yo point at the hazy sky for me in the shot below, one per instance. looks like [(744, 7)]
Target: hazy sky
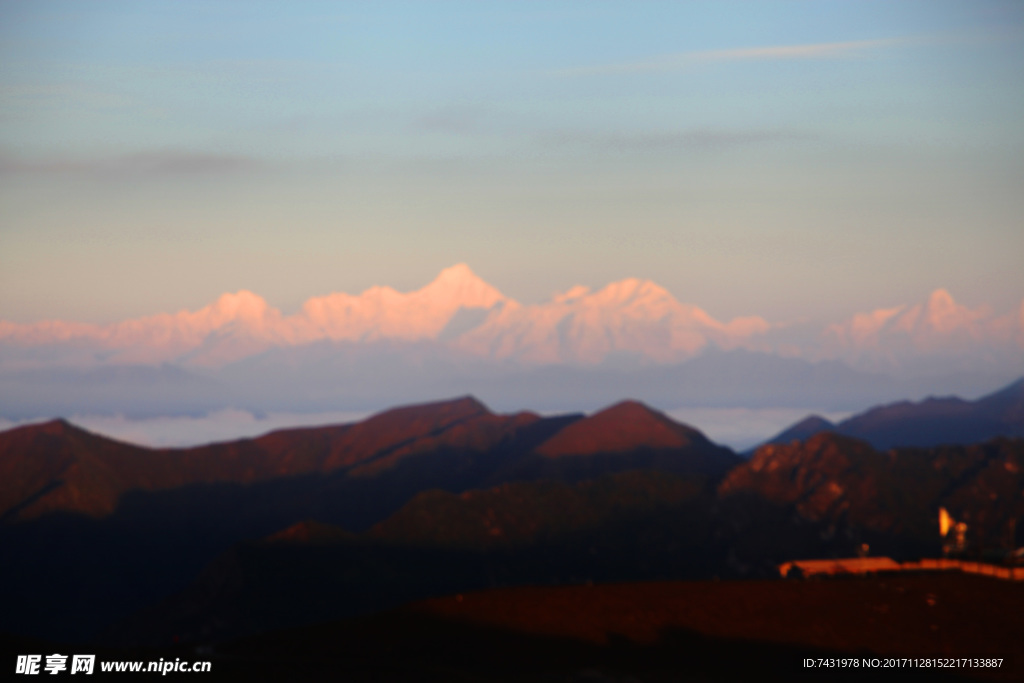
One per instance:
[(790, 159)]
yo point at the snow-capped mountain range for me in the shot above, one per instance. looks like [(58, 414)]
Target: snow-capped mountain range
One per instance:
[(465, 315)]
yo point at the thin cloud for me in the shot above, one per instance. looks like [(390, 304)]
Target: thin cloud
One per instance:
[(161, 163), (452, 120), (31, 97), (666, 141), (684, 60)]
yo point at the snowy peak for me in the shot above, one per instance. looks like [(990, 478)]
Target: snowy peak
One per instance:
[(624, 293), (382, 312), (458, 286), (939, 327), (631, 320), (633, 317), (632, 290), (242, 305), (635, 297), (572, 294), (944, 315)]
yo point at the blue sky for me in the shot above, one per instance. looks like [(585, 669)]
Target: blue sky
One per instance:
[(793, 159)]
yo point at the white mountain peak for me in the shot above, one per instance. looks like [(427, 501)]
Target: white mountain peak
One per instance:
[(571, 294), (946, 315), (459, 286), (382, 312), (941, 299), (632, 288), (938, 327), (632, 316), (241, 304), (458, 273)]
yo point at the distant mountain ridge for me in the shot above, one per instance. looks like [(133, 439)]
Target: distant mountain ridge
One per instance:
[(932, 422), (578, 326), (903, 336), (460, 335), (463, 313)]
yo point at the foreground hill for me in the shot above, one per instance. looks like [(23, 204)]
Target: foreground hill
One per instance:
[(56, 466), (891, 499), (148, 545), (632, 525), (823, 498), (650, 632), (656, 632), (932, 422), (144, 522)]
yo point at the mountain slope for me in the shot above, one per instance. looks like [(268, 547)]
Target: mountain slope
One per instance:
[(623, 427), (625, 436), (242, 324), (59, 467), (819, 499), (891, 497), (936, 335), (630, 525), (628, 317), (144, 520), (931, 422), (803, 430)]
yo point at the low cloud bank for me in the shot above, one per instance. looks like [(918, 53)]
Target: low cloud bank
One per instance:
[(184, 431)]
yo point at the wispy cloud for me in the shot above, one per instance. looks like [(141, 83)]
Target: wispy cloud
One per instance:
[(36, 96), (685, 60), (156, 163), (697, 139), (456, 120)]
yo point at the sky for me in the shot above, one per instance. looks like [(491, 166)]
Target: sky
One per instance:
[(794, 160)]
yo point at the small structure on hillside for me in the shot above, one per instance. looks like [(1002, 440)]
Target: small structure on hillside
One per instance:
[(953, 533)]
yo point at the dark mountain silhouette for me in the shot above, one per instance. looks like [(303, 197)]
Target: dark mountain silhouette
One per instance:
[(521, 513), (822, 498), (311, 531), (646, 631), (890, 499), (658, 631), (144, 521), (146, 545), (931, 422), (639, 525), (56, 466), (802, 430), (621, 428), (626, 436)]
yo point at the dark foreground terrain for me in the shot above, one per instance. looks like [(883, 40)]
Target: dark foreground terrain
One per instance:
[(654, 631), (584, 548)]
